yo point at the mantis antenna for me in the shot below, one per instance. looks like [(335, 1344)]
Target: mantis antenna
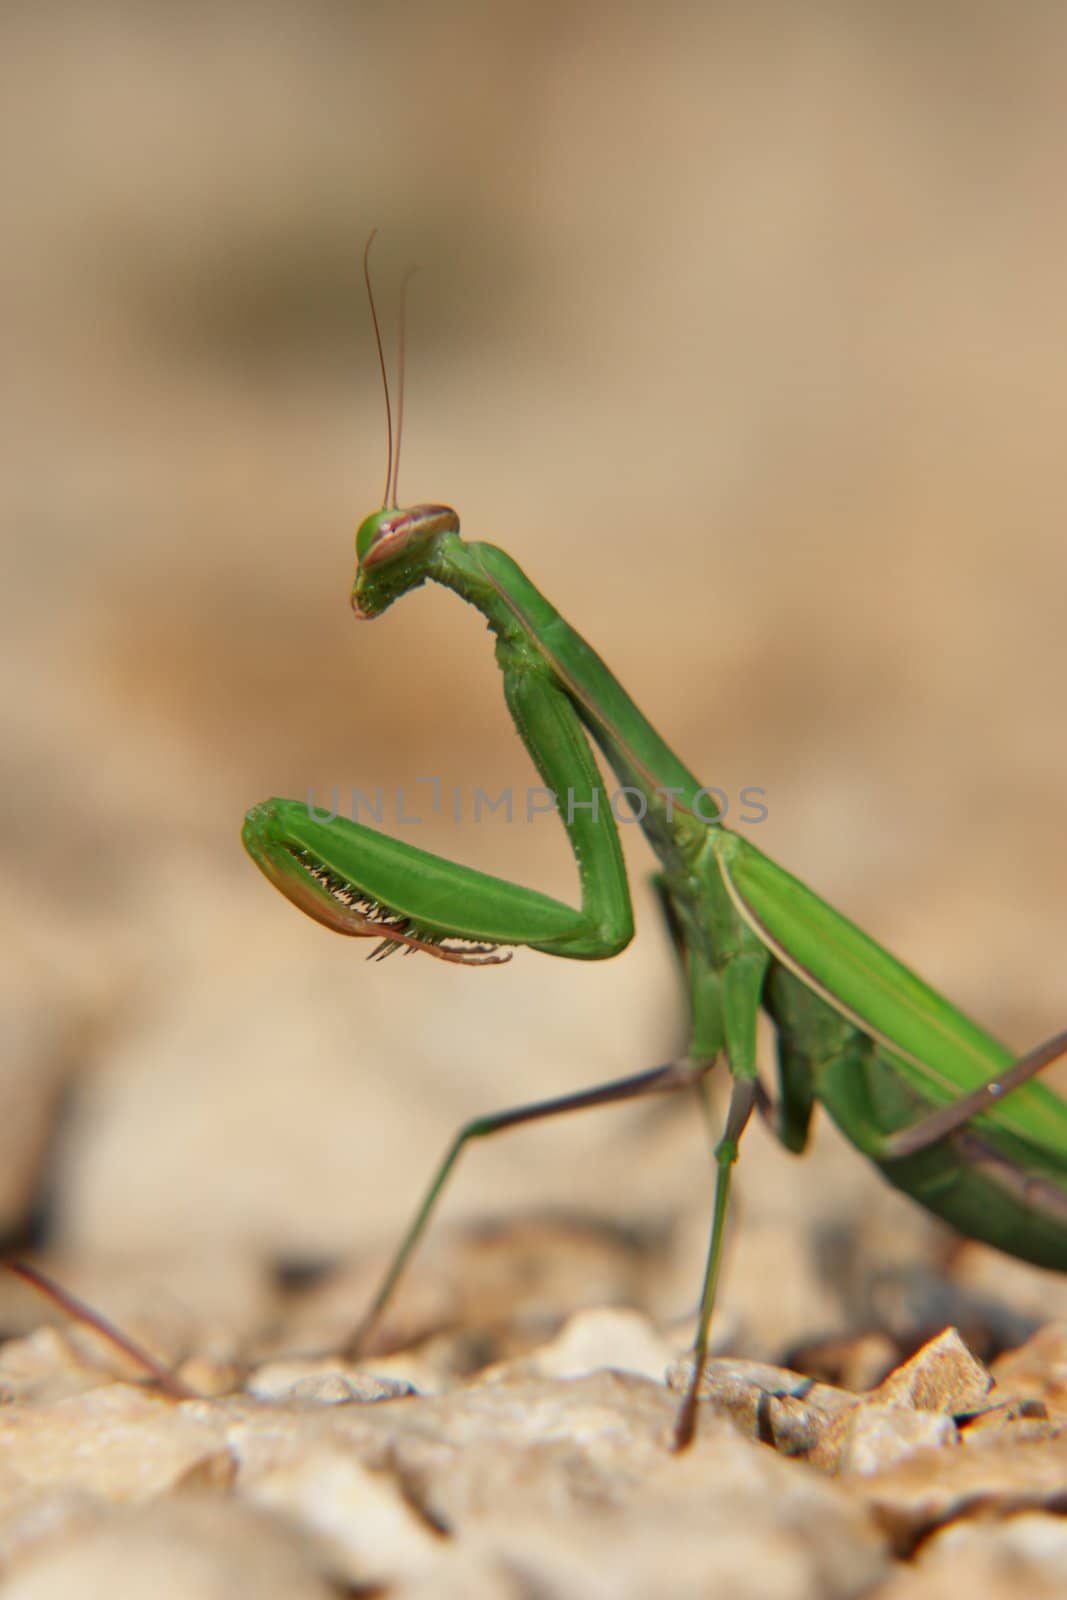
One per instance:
[(392, 466), (401, 364), (387, 503)]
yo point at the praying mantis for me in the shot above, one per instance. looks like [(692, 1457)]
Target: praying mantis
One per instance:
[(941, 1109)]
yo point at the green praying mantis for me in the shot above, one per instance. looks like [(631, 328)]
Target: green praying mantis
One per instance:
[(940, 1108)]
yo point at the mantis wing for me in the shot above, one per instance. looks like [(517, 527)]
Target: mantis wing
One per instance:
[(885, 999)]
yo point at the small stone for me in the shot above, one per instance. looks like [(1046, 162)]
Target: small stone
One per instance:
[(195, 1549), (116, 1442), (209, 1377), (371, 1535), (765, 1402), (872, 1437), (45, 1364), (1021, 1558), (326, 1382), (607, 1339), (932, 1488), (942, 1376), (31, 1518), (1021, 1419), (913, 1409), (470, 1571)]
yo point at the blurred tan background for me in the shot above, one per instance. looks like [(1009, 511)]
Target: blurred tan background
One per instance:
[(742, 329)]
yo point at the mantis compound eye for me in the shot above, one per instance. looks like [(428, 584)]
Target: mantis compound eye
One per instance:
[(389, 534)]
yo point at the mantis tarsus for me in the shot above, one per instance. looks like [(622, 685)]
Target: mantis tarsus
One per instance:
[(936, 1103)]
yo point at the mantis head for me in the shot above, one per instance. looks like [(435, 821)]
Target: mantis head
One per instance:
[(395, 552)]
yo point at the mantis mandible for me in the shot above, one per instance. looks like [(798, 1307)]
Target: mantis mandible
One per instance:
[(938, 1106)]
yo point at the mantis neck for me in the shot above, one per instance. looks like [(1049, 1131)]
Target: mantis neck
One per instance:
[(532, 634)]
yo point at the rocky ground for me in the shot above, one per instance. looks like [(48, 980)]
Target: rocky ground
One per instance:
[(499, 1462)]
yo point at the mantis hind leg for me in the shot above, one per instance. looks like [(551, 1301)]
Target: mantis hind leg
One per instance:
[(165, 1379), (929, 1130), (668, 1079), (742, 1100)]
